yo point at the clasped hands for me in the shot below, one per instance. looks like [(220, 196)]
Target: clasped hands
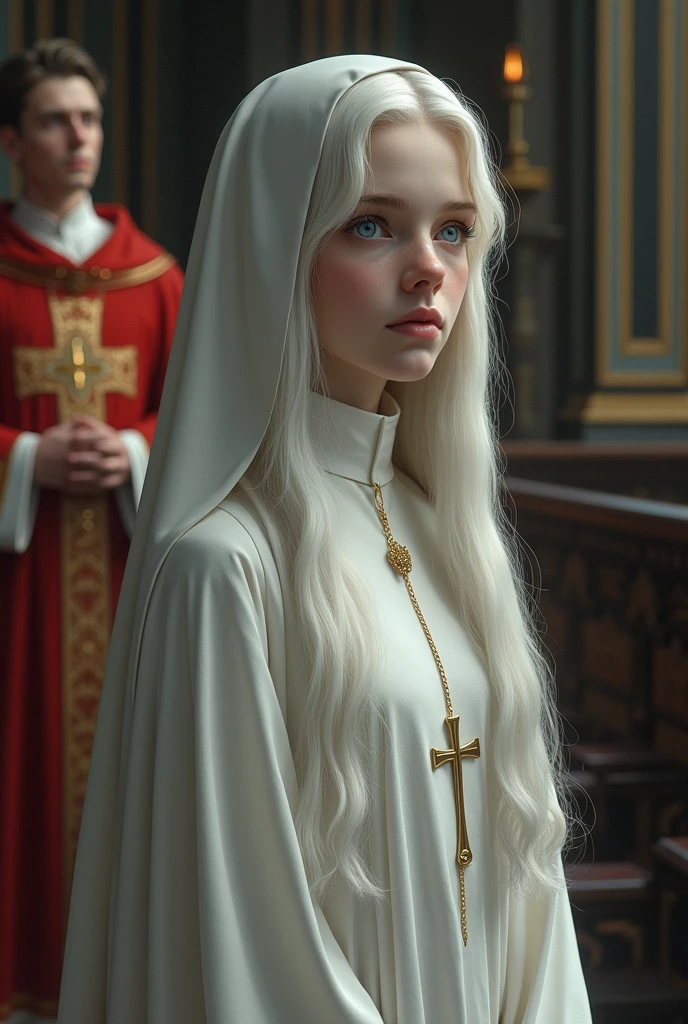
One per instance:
[(81, 457)]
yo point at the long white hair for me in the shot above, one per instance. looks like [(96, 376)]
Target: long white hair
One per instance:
[(446, 441)]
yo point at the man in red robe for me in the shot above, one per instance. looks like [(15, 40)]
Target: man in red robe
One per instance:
[(87, 311)]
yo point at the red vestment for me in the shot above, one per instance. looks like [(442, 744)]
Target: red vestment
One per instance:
[(92, 339)]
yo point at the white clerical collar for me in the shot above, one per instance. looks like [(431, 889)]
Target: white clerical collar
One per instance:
[(77, 235), (353, 443)]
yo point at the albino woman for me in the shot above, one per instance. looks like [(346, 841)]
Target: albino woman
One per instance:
[(324, 781)]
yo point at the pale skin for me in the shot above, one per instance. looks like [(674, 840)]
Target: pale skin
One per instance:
[(58, 149), (402, 254)]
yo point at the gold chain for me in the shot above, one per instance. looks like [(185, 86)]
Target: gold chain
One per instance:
[(400, 560), (462, 891)]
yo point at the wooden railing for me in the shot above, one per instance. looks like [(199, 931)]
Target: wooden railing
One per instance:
[(641, 470), (614, 598)]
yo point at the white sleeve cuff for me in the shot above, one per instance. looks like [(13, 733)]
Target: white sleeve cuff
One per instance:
[(19, 500), (129, 494)]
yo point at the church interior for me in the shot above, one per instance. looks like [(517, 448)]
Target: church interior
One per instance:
[(587, 108)]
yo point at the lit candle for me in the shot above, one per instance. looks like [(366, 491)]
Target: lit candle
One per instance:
[(513, 64)]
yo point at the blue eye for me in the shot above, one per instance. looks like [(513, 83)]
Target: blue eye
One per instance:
[(367, 229), (451, 233)]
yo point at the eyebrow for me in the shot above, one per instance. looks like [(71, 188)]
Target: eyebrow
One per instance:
[(61, 111), (397, 203)]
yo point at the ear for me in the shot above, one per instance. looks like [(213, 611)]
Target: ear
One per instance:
[(11, 142)]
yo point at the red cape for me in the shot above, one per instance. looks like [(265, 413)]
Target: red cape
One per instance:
[(127, 247)]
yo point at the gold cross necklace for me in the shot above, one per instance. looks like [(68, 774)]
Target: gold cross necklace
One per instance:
[(400, 560)]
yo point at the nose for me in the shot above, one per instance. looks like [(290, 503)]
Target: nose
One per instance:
[(424, 270), (77, 132)]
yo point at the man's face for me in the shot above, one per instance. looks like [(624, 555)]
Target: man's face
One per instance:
[(59, 145)]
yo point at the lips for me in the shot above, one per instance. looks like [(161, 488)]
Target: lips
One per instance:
[(422, 315)]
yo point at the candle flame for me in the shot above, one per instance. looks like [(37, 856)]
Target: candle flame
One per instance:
[(513, 63)]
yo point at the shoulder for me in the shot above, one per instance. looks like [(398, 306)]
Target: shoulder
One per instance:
[(224, 554), (126, 230), (132, 245), (213, 545)]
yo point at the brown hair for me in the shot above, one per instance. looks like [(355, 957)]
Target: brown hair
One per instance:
[(48, 58)]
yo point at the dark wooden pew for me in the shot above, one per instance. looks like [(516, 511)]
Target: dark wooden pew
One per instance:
[(614, 597), (611, 577)]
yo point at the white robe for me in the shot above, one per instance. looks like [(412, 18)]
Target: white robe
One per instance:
[(211, 921)]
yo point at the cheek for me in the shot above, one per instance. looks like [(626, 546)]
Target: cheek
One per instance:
[(47, 148), (346, 287), (455, 283)]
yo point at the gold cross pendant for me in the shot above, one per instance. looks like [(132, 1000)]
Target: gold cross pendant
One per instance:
[(454, 756)]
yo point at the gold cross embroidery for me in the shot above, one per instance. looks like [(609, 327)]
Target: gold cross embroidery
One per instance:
[(455, 756), (78, 370)]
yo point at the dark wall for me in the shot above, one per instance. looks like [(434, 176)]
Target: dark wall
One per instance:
[(233, 46), (202, 76), (465, 41)]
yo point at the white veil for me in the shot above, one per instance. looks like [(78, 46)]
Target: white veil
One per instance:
[(217, 400)]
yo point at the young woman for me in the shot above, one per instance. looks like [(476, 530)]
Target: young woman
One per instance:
[(323, 789)]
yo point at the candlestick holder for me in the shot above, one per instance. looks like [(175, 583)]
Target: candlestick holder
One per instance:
[(529, 355), (519, 172)]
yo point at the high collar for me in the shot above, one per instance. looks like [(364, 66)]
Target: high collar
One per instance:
[(26, 212), (76, 236), (353, 443)]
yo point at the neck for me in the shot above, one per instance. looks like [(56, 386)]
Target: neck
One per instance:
[(58, 205), (350, 385)]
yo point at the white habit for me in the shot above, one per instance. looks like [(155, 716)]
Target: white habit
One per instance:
[(214, 920), (190, 902)]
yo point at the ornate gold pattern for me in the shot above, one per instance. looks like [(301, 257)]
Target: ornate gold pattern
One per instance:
[(400, 560), (76, 281), (86, 622), (77, 370)]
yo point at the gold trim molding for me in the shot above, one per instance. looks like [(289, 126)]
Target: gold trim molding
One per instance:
[(604, 407), (614, 333)]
